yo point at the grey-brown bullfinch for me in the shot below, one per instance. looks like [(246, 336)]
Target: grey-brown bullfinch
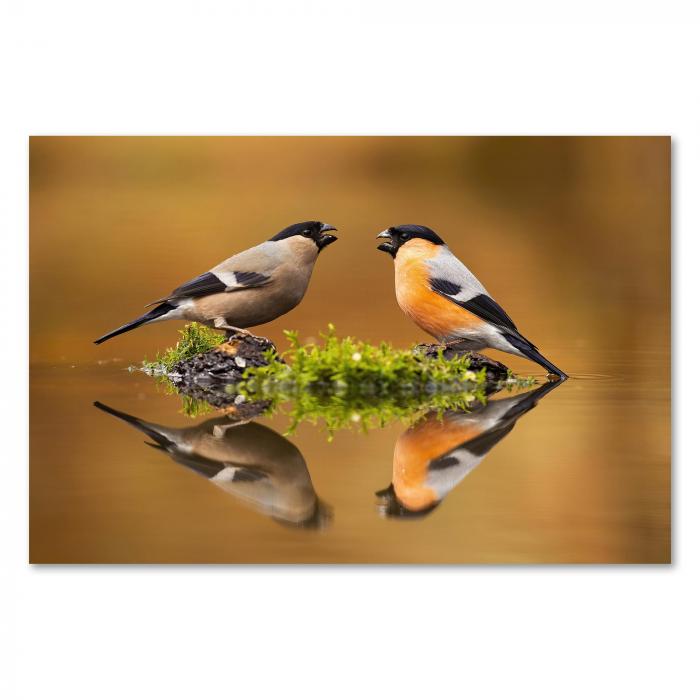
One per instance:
[(437, 291), (436, 453), (252, 287), (247, 460)]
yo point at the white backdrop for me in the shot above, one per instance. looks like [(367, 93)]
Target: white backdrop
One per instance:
[(355, 67)]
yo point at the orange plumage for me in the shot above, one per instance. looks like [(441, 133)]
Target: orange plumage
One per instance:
[(416, 448), (432, 312)]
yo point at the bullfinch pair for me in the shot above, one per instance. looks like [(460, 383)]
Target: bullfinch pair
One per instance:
[(262, 283), (249, 461), (437, 291), (436, 453), (250, 288)]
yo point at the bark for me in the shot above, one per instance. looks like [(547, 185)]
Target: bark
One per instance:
[(210, 375), (495, 371)]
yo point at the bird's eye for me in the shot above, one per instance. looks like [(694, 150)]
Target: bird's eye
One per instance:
[(404, 236), (306, 233)]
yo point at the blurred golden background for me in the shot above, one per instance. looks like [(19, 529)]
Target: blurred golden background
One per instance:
[(570, 235)]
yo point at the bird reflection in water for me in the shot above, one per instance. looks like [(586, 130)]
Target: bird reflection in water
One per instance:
[(437, 452), (247, 460)]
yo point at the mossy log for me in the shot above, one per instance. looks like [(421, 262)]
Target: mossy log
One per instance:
[(225, 363), (495, 371), (210, 376)]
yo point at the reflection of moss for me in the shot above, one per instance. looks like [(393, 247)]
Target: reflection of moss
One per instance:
[(192, 407), (348, 383), (195, 340), (343, 383), (355, 410)]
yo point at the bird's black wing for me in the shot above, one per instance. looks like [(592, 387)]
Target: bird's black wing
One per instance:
[(459, 289), (210, 283), (482, 305), (485, 307), (205, 284)]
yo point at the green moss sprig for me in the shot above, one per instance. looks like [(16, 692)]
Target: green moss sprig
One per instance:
[(195, 339)]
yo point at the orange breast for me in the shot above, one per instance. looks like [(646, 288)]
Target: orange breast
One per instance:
[(440, 317), (416, 448)]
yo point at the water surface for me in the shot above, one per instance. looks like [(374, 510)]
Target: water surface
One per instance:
[(553, 482)]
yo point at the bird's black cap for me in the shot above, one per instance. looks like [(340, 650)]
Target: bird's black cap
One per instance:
[(398, 235), (320, 518), (315, 230), (390, 507)]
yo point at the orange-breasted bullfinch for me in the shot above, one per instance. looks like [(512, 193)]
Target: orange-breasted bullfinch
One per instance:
[(437, 291), (252, 287), (247, 460), (436, 453)]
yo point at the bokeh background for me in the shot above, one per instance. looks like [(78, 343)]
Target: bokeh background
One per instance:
[(570, 235)]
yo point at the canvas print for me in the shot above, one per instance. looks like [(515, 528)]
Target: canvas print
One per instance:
[(337, 350)]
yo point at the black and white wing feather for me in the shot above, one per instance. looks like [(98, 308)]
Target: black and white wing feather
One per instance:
[(446, 471), (249, 269), (452, 279)]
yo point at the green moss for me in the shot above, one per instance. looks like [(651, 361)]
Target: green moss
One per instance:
[(341, 383), (195, 339), (349, 364), (349, 383)]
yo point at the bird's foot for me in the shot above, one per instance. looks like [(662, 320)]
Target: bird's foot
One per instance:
[(235, 333), (232, 332), (219, 431), (243, 334)]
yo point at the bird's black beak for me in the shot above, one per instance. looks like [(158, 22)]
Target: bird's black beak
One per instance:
[(389, 506), (389, 246), (325, 239)]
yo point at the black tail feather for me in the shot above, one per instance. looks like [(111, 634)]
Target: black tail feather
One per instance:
[(203, 465), (151, 315), (531, 352), (526, 402), (162, 441)]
